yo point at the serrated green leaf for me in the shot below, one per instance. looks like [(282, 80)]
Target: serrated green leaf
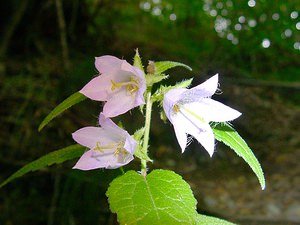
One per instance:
[(209, 220), (154, 78), (162, 66), (57, 157), (226, 134), (138, 134), (160, 198), (137, 62), (67, 103), (184, 83)]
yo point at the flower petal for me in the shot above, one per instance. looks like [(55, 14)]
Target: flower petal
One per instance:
[(206, 89), (180, 130), (98, 88), (108, 63), (130, 144), (120, 160), (132, 69), (139, 96), (119, 103), (88, 162), (206, 138), (89, 136), (211, 110), (107, 123), (94, 159)]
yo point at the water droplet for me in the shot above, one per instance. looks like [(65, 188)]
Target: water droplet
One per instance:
[(238, 27), (213, 12), (298, 26), (230, 36), (146, 6), (266, 43), (156, 11), (252, 23), (294, 15), (251, 3), (275, 16), (173, 17), (242, 19), (288, 32)]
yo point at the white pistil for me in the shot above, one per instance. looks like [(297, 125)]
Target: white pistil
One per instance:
[(179, 108)]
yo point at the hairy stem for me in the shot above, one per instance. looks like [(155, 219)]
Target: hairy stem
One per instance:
[(147, 131)]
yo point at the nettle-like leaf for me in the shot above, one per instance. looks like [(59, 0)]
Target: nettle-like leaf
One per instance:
[(225, 133), (162, 66), (209, 220), (160, 198), (67, 103), (154, 78), (58, 156), (184, 83)]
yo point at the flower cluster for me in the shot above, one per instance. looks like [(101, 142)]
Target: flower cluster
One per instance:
[(122, 87)]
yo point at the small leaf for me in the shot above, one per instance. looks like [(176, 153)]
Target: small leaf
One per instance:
[(138, 135), (209, 220), (154, 78), (184, 83), (226, 134), (162, 66), (57, 157), (137, 62), (160, 198), (67, 103)]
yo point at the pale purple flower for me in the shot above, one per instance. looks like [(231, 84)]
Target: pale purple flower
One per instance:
[(120, 84), (110, 146), (191, 110)]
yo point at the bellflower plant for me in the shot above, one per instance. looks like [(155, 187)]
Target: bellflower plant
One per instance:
[(159, 197), (120, 84), (110, 146), (191, 110)]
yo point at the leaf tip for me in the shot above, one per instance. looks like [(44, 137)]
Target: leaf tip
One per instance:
[(41, 126), (263, 184)]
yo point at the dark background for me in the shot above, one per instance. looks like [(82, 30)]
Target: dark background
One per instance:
[(47, 51)]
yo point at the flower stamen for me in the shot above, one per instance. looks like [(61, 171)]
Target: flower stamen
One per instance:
[(118, 146), (131, 86)]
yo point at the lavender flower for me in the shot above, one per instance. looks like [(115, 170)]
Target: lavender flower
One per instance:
[(120, 84), (110, 146)]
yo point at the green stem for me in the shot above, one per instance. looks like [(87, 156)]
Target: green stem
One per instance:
[(147, 131)]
